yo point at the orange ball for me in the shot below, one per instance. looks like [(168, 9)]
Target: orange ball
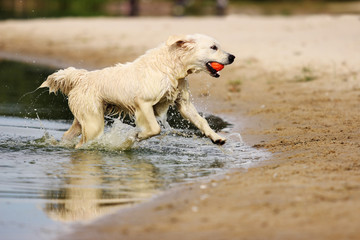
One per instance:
[(217, 66)]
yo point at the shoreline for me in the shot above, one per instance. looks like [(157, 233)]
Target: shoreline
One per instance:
[(305, 114)]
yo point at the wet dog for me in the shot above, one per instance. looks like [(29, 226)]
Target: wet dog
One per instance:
[(144, 88)]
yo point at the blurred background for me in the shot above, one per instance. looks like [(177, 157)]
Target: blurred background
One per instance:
[(60, 8)]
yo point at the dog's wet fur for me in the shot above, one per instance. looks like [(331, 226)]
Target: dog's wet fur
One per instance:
[(144, 88)]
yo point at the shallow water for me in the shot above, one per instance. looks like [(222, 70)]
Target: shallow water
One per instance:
[(46, 184)]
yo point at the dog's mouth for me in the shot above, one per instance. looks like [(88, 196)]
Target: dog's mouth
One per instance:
[(213, 72)]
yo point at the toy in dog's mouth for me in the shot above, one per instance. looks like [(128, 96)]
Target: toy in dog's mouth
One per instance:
[(214, 68)]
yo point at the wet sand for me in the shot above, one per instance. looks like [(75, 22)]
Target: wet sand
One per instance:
[(294, 90)]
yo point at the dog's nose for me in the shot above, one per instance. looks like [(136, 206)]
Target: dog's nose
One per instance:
[(231, 58)]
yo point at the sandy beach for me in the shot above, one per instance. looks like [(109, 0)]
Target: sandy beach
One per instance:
[(293, 90)]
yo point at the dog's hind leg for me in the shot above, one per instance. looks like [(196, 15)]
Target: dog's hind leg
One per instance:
[(74, 131), (146, 120), (92, 126)]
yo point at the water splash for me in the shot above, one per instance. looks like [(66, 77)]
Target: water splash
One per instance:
[(118, 137), (181, 144), (236, 135), (46, 140)]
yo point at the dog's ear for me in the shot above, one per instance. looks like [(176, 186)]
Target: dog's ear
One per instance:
[(179, 41)]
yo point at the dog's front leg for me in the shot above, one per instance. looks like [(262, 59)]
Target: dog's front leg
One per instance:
[(189, 112), (146, 120)]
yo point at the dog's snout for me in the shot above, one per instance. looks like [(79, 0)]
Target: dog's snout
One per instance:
[(231, 58)]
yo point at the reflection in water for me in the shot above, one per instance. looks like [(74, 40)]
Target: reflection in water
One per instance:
[(85, 199)]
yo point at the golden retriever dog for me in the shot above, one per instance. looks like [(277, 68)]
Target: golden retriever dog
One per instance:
[(144, 88)]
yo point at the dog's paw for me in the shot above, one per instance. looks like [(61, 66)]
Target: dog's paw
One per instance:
[(219, 141)]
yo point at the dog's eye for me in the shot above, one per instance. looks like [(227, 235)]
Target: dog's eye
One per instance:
[(214, 47)]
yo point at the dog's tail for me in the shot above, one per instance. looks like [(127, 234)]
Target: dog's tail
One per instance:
[(64, 80)]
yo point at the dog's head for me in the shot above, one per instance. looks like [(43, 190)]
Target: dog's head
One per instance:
[(198, 52)]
